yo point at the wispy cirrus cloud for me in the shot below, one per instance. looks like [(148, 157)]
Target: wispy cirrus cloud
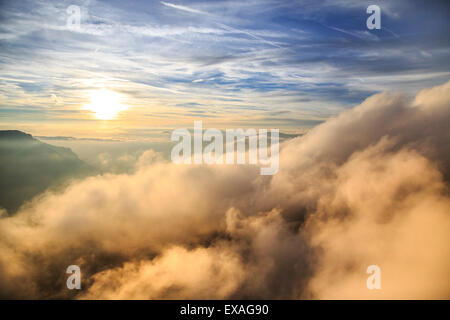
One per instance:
[(224, 54), (182, 8)]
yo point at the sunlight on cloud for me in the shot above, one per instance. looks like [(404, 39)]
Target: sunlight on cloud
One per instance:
[(369, 186)]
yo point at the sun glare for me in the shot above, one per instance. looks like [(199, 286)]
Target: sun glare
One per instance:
[(106, 104)]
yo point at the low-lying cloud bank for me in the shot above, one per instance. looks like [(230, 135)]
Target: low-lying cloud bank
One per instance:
[(368, 187)]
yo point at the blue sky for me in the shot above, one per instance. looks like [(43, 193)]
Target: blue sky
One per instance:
[(283, 64)]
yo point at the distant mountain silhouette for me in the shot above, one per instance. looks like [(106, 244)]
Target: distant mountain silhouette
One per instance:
[(28, 167)]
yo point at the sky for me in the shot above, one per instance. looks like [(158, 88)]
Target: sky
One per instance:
[(261, 64)]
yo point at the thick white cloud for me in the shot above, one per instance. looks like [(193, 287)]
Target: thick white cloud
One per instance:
[(368, 187)]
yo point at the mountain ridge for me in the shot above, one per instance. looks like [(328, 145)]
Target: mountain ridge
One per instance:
[(29, 167)]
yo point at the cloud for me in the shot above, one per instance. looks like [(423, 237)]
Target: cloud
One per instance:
[(370, 186), (265, 54), (183, 8), (383, 213), (201, 273)]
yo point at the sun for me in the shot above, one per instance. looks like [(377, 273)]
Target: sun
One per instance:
[(106, 104)]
